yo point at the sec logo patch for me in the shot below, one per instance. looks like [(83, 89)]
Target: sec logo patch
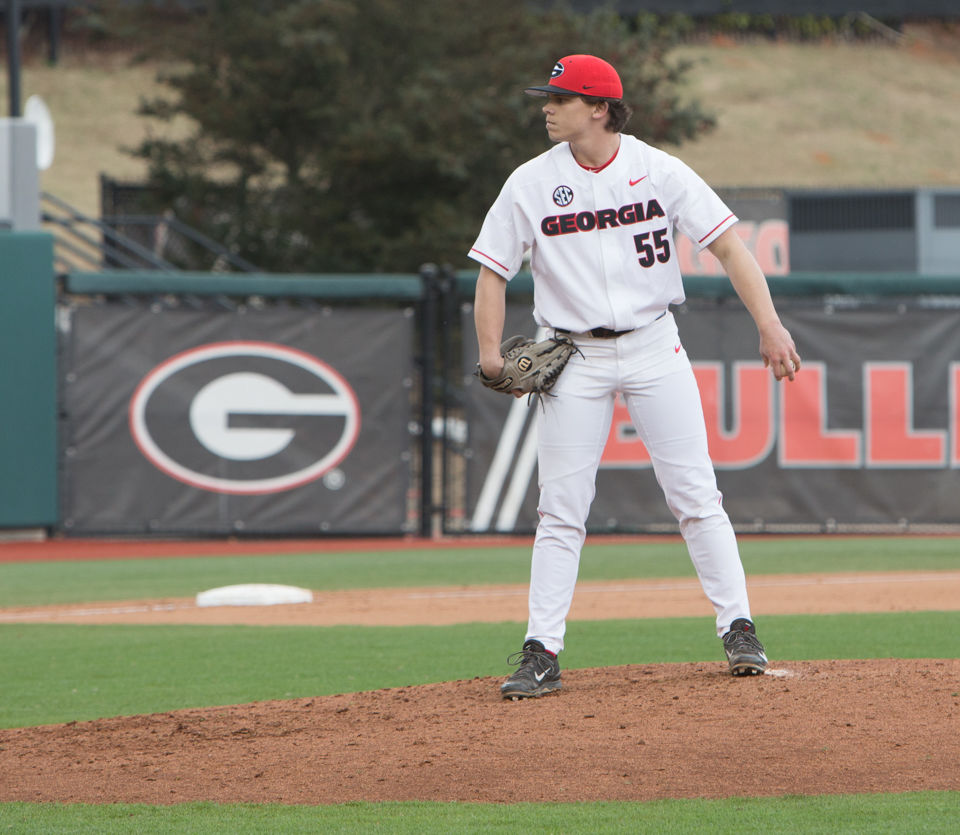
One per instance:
[(563, 195)]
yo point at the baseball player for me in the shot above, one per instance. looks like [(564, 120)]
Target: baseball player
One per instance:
[(597, 213)]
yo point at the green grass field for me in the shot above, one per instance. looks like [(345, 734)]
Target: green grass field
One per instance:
[(933, 812), (64, 672), (57, 673)]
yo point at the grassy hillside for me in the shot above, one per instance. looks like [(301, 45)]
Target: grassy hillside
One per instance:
[(789, 114), (93, 101), (829, 115)]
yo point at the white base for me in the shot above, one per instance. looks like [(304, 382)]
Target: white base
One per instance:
[(254, 594)]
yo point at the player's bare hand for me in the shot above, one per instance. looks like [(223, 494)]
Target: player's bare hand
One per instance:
[(778, 351), (491, 366)]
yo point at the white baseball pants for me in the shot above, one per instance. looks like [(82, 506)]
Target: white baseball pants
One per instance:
[(651, 370)]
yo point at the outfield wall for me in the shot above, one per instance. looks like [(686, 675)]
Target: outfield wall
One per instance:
[(199, 404), (28, 382)]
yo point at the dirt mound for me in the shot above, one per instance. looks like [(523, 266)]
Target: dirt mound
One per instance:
[(620, 733)]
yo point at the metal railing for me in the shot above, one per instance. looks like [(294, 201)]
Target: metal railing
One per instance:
[(84, 244), (170, 237)]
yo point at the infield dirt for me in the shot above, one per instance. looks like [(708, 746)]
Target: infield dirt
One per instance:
[(775, 594)]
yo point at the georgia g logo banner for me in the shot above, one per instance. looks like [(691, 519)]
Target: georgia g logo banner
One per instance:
[(244, 417)]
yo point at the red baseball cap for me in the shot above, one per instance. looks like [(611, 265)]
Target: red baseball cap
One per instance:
[(581, 75)]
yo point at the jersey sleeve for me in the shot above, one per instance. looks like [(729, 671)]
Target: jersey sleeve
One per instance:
[(501, 243), (697, 210)]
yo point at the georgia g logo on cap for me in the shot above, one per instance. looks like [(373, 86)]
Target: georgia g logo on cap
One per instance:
[(581, 75)]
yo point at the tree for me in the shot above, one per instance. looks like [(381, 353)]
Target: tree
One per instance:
[(372, 135)]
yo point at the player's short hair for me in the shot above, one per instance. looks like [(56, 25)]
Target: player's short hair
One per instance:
[(619, 112)]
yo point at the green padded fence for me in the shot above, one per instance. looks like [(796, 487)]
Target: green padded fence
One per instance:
[(794, 284), (28, 382), (387, 286)]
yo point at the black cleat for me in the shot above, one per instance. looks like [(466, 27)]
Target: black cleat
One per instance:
[(538, 673), (744, 650)]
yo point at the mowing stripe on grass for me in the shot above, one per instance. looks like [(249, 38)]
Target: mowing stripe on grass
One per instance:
[(918, 812), (59, 673), (28, 584)]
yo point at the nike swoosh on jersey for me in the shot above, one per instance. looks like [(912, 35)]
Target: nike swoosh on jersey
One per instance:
[(634, 182)]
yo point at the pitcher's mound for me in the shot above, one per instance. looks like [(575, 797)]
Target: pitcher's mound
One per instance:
[(619, 733)]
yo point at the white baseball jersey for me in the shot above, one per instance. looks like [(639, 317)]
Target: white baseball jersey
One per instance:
[(602, 249)]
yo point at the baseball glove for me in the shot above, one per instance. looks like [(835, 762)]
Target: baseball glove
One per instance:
[(528, 366)]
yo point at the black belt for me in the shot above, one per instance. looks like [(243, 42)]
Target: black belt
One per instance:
[(606, 333), (598, 333)]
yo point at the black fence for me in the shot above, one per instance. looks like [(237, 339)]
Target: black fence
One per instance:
[(866, 440)]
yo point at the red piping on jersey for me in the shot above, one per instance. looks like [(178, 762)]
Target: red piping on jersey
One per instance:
[(715, 228), (597, 169), (484, 254)]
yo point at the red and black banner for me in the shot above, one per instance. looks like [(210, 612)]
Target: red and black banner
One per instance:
[(274, 420), (867, 436)]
